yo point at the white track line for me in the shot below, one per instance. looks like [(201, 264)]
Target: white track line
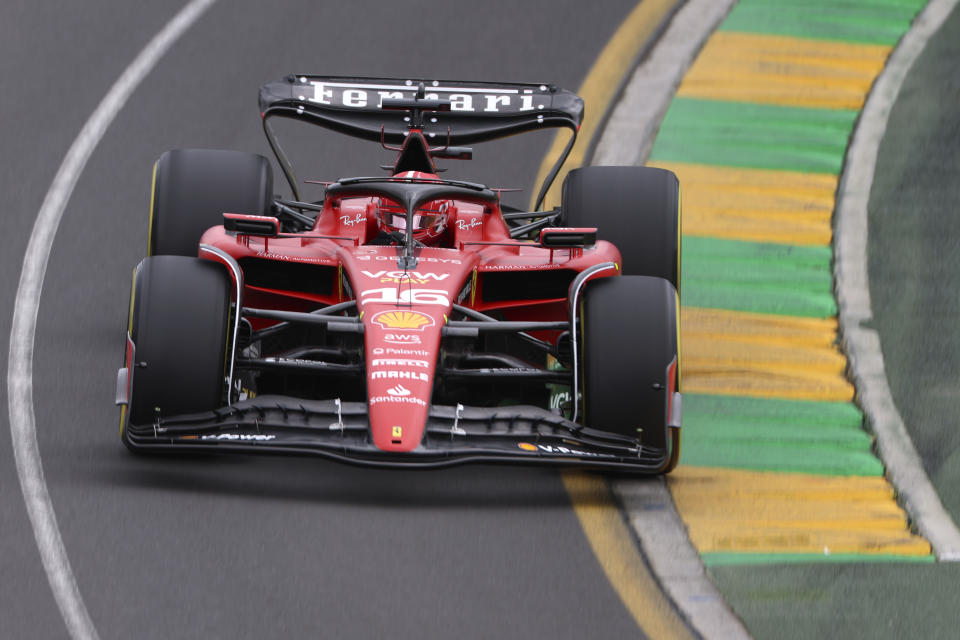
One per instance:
[(20, 365), (862, 345)]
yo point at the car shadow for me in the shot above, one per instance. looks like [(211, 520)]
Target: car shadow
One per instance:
[(320, 481)]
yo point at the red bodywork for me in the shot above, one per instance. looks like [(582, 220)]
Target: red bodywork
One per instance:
[(404, 311)]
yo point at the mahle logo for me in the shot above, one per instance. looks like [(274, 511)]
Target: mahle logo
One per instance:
[(403, 320)]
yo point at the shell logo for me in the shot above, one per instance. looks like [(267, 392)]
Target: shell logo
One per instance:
[(403, 320), (526, 446)]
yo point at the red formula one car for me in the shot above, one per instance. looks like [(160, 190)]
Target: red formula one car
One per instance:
[(408, 320)]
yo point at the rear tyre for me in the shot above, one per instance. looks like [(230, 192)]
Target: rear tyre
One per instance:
[(193, 188), (179, 324), (629, 339), (635, 208)]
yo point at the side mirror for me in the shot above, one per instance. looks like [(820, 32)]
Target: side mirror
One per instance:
[(264, 226), (453, 153), (557, 237)]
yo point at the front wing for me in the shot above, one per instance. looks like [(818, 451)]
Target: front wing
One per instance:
[(453, 435)]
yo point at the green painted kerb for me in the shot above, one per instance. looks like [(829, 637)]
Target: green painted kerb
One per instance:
[(756, 434), (857, 21), (756, 136), (717, 559), (769, 434), (759, 277)]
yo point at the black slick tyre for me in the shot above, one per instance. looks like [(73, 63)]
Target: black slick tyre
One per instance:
[(179, 324), (628, 327), (635, 208), (193, 188)]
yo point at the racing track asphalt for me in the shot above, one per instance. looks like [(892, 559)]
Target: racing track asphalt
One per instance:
[(260, 547), (914, 262)]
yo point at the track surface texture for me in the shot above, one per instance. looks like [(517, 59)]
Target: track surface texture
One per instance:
[(240, 547), (914, 275), (914, 258)]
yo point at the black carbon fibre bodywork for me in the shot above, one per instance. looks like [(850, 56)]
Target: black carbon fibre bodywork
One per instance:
[(454, 435)]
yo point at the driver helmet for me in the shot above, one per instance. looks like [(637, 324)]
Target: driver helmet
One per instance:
[(429, 221)]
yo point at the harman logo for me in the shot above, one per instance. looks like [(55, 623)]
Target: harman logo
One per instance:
[(403, 320)]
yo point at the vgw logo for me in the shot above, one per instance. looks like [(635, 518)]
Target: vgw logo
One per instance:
[(406, 275)]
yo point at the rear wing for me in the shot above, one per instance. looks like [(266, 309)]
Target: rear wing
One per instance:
[(478, 111)]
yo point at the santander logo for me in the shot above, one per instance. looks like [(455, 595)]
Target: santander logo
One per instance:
[(399, 390)]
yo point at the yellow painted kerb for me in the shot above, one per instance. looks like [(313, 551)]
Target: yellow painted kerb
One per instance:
[(783, 70), (740, 353), (756, 205), (731, 510)]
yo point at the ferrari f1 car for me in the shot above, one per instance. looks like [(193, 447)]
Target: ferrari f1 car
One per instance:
[(407, 320)]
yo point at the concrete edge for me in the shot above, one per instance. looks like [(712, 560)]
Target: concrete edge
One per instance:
[(652, 514), (626, 140), (633, 122), (862, 345)]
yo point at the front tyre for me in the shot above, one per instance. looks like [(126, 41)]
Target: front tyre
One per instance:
[(629, 356), (179, 325)]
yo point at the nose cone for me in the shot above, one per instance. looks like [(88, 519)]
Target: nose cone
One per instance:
[(401, 359), (403, 316)]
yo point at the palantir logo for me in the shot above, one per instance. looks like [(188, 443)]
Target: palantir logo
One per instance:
[(399, 390)]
